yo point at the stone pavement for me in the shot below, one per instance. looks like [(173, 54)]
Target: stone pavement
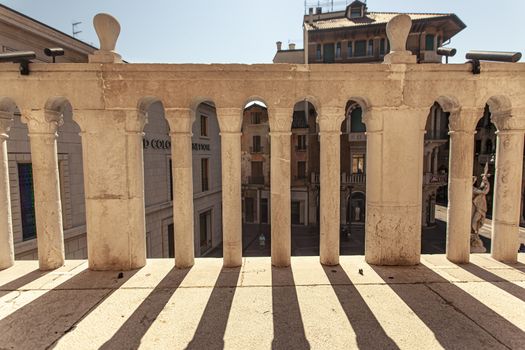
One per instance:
[(431, 306)]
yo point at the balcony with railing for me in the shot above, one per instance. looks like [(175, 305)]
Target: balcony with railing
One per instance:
[(393, 297), (353, 179), (256, 149), (256, 180)]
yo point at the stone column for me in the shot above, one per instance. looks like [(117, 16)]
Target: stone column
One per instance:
[(230, 121), (395, 139), (43, 126), (461, 160), (280, 133), (507, 189), (181, 121), (7, 251), (114, 187), (330, 120)]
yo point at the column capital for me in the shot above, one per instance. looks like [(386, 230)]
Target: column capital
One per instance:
[(506, 121), (230, 120), (180, 120), (42, 121), (464, 120), (280, 119), (136, 119), (330, 119)]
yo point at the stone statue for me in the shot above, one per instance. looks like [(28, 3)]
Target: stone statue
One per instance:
[(479, 210)]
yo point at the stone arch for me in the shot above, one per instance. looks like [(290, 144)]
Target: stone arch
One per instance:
[(255, 98), (8, 105), (313, 100), (144, 106), (500, 107), (363, 103)]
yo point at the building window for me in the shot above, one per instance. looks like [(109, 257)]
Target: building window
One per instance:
[(256, 148), (27, 200), (204, 125), (301, 169), (338, 50), (329, 53), (256, 117), (257, 177), (350, 51), (318, 53), (370, 47), (356, 121), (382, 46), (205, 230), (301, 142), (171, 180), (171, 241), (429, 42), (360, 48), (358, 164), (355, 12), (205, 174)]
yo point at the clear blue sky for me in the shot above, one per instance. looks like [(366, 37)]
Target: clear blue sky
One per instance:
[(245, 31)]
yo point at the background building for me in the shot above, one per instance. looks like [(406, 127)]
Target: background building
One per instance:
[(356, 35)]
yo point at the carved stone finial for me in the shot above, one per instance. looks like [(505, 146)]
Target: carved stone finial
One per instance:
[(108, 30), (397, 31)]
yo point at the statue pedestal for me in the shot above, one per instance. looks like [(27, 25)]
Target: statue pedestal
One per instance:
[(476, 244)]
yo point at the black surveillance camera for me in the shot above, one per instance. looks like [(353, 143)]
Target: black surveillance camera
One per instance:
[(54, 52), (446, 51), (21, 57), (496, 56)]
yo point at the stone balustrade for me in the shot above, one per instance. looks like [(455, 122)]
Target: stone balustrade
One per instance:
[(109, 101)]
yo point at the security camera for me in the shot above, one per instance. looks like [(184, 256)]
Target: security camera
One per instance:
[(497, 56), (17, 57), (54, 52), (21, 57), (446, 51)]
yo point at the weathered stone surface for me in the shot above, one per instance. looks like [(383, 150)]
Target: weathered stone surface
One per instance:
[(434, 305)]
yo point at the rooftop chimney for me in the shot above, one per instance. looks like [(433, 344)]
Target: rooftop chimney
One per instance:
[(291, 46), (279, 45), (319, 10), (311, 15)]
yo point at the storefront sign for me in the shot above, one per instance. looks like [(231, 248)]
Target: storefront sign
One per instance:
[(201, 147), (156, 144)]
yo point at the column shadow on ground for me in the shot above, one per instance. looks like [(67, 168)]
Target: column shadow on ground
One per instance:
[(212, 326), (130, 334), (21, 281), (368, 330), (288, 327), (43, 321), (457, 319), (496, 280)]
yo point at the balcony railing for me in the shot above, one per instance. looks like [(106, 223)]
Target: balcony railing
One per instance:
[(353, 179), (256, 180), (255, 150)]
